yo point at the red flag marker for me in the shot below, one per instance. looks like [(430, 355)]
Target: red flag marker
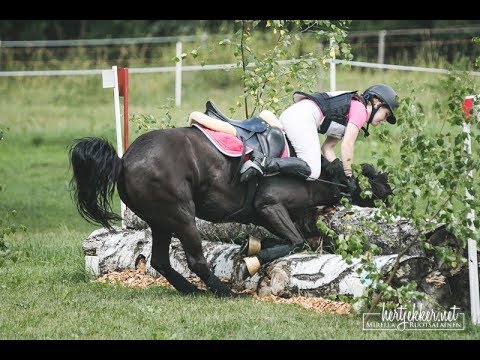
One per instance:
[(122, 74)]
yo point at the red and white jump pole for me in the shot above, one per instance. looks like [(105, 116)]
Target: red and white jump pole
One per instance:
[(470, 108), (117, 79)]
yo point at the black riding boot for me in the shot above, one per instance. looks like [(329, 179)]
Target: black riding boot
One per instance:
[(289, 166)]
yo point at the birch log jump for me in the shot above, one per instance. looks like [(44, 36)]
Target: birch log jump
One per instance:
[(297, 274), (310, 274)]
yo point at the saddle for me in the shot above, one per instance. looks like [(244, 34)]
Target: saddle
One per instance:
[(262, 134)]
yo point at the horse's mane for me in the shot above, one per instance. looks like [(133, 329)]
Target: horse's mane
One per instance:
[(379, 183)]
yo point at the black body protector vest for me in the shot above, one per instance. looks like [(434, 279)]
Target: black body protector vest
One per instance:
[(335, 106)]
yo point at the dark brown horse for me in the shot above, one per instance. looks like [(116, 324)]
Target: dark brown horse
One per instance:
[(168, 177)]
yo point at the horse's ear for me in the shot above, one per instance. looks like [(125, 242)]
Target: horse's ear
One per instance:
[(380, 186), (383, 176)]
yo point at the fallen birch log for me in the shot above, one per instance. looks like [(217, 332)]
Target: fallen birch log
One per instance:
[(306, 274), (445, 284), (123, 249), (233, 233), (297, 274)]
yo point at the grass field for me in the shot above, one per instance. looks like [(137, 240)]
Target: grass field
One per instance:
[(45, 292)]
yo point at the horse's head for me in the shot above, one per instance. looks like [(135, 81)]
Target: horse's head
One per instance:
[(379, 187)]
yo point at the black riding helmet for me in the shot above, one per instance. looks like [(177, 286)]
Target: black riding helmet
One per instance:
[(387, 95)]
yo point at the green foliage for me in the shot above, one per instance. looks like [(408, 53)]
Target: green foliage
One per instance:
[(432, 185), (91, 29), (150, 121), (476, 40), (433, 164), (268, 74), (274, 76)]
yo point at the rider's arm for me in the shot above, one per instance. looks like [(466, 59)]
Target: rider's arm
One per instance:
[(348, 142), (328, 148)]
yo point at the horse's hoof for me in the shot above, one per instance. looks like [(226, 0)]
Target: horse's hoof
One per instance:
[(247, 268), (251, 246), (253, 264)]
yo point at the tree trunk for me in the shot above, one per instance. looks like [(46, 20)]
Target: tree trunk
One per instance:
[(317, 273)]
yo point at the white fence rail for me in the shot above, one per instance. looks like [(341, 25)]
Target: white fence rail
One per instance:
[(178, 69), (173, 39)]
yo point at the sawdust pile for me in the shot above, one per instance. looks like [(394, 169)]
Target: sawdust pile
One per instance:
[(317, 304), (138, 279)]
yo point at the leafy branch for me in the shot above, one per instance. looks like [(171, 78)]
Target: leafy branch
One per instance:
[(430, 187)]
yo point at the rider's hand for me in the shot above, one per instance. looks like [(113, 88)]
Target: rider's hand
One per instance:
[(351, 185), (335, 168)]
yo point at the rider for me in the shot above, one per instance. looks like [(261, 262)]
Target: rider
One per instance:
[(338, 115)]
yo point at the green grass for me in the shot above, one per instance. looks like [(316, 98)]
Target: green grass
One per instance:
[(45, 292)]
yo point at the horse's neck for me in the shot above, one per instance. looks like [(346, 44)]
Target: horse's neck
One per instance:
[(322, 193)]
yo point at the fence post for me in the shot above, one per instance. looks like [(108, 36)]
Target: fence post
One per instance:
[(381, 46), (333, 81), (110, 80), (470, 105), (178, 75)]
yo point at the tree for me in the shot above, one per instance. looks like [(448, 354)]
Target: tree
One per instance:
[(430, 186), (268, 75), (432, 164)]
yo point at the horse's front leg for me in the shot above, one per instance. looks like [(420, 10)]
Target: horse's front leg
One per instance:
[(160, 261), (276, 219), (192, 245)]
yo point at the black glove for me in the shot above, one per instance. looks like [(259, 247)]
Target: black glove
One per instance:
[(334, 168), (350, 189)]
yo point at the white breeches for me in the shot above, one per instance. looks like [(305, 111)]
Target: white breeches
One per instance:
[(300, 122)]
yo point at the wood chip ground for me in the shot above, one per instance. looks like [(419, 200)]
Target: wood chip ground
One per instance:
[(138, 279)]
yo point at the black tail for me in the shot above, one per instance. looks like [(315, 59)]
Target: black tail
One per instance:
[(96, 167)]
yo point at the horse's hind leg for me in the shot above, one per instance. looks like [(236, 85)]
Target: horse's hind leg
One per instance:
[(192, 245), (160, 261), (276, 219)]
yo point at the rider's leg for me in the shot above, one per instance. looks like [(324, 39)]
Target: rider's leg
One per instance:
[(288, 166), (272, 143), (300, 127), (307, 164)]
